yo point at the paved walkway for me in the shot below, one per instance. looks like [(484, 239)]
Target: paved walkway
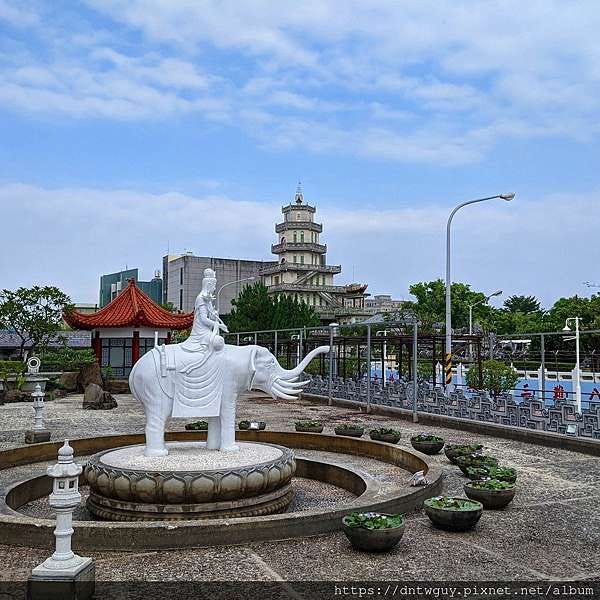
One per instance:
[(551, 531)]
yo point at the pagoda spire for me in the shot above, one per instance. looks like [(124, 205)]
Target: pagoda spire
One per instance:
[(299, 198)]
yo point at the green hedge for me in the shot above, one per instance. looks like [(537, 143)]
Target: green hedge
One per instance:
[(11, 367), (67, 359)]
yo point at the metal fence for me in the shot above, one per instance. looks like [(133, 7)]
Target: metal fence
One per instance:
[(377, 365)]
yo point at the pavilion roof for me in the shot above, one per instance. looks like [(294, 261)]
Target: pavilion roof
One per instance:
[(131, 308)]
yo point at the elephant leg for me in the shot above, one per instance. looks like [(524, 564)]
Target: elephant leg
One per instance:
[(228, 423), (155, 428), (213, 437)]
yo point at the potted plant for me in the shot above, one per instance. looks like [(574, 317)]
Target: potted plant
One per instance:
[(453, 451), (475, 460), (197, 426), (349, 429), (453, 514), (384, 434), (373, 532), (309, 426), (501, 473), (254, 425), (492, 493), (427, 443)]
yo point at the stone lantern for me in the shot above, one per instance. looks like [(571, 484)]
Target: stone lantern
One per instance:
[(39, 433), (65, 574)]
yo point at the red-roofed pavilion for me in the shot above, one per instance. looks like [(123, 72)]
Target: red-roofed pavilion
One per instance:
[(125, 328)]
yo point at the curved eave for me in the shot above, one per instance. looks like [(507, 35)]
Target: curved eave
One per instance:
[(86, 321)]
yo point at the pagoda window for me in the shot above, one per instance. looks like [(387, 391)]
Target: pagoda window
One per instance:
[(283, 239), (301, 236), (282, 260), (276, 280), (295, 237), (295, 259), (302, 259)]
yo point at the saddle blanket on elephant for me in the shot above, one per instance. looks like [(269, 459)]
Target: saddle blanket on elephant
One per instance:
[(193, 379)]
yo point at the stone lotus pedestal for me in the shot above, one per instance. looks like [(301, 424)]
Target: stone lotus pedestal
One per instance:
[(191, 482)]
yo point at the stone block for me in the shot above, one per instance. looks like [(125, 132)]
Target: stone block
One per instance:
[(77, 585), (37, 436), (95, 398)]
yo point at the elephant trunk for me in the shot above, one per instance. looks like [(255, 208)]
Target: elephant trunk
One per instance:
[(291, 374)]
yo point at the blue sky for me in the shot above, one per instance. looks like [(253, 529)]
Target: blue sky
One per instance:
[(131, 126)]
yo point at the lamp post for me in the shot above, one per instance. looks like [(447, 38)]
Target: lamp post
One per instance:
[(230, 283), (448, 363), (577, 372), (384, 373), (332, 331), (471, 306)]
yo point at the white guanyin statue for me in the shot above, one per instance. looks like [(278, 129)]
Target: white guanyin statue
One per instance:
[(204, 376)]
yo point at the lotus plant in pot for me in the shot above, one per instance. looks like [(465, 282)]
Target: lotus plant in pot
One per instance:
[(475, 460), (453, 451), (427, 443), (309, 426), (373, 532), (453, 514), (501, 473), (492, 493), (197, 426), (385, 434), (349, 429), (258, 425)]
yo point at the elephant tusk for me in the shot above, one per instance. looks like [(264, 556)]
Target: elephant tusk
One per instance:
[(291, 384), (284, 396)]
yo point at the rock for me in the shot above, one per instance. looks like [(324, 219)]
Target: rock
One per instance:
[(68, 381), (89, 374), (17, 396), (95, 398)]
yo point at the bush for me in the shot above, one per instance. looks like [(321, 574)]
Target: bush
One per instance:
[(67, 359), (11, 367), (497, 377)]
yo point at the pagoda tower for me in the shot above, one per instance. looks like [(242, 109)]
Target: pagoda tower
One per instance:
[(302, 269)]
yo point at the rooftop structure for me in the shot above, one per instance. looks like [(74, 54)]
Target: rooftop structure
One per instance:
[(126, 328), (302, 270)]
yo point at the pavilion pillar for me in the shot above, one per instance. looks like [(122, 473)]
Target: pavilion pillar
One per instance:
[(135, 348), (168, 339), (97, 347)]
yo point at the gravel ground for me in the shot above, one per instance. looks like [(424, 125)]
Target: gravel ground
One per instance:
[(550, 531)]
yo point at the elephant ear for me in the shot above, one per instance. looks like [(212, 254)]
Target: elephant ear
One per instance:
[(252, 370)]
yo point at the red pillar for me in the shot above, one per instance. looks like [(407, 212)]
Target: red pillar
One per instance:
[(168, 340), (97, 347), (135, 347)]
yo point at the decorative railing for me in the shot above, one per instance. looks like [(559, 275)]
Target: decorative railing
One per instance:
[(560, 417)]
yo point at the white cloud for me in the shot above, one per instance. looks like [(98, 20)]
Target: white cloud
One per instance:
[(86, 232), (413, 81)]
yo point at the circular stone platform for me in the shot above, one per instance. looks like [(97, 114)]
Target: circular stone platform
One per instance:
[(191, 482)]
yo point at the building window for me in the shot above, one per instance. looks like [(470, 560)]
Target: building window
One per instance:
[(301, 236), (295, 259), (295, 237), (276, 280), (297, 216), (180, 299), (302, 259), (181, 276)]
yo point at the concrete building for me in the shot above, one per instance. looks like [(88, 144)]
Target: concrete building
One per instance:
[(302, 270), (182, 278), (113, 284), (383, 303)]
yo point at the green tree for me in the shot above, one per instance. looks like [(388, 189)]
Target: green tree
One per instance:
[(497, 377), (256, 310), (522, 304), (34, 314), (430, 304)]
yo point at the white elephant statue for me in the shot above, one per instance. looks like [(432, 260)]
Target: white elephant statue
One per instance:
[(206, 381)]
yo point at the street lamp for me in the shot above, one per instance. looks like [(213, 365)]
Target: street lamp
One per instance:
[(377, 334), (577, 373), (471, 306), (230, 283), (448, 366)]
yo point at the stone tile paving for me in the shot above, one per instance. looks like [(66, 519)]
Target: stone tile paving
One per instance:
[(550, 531)]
